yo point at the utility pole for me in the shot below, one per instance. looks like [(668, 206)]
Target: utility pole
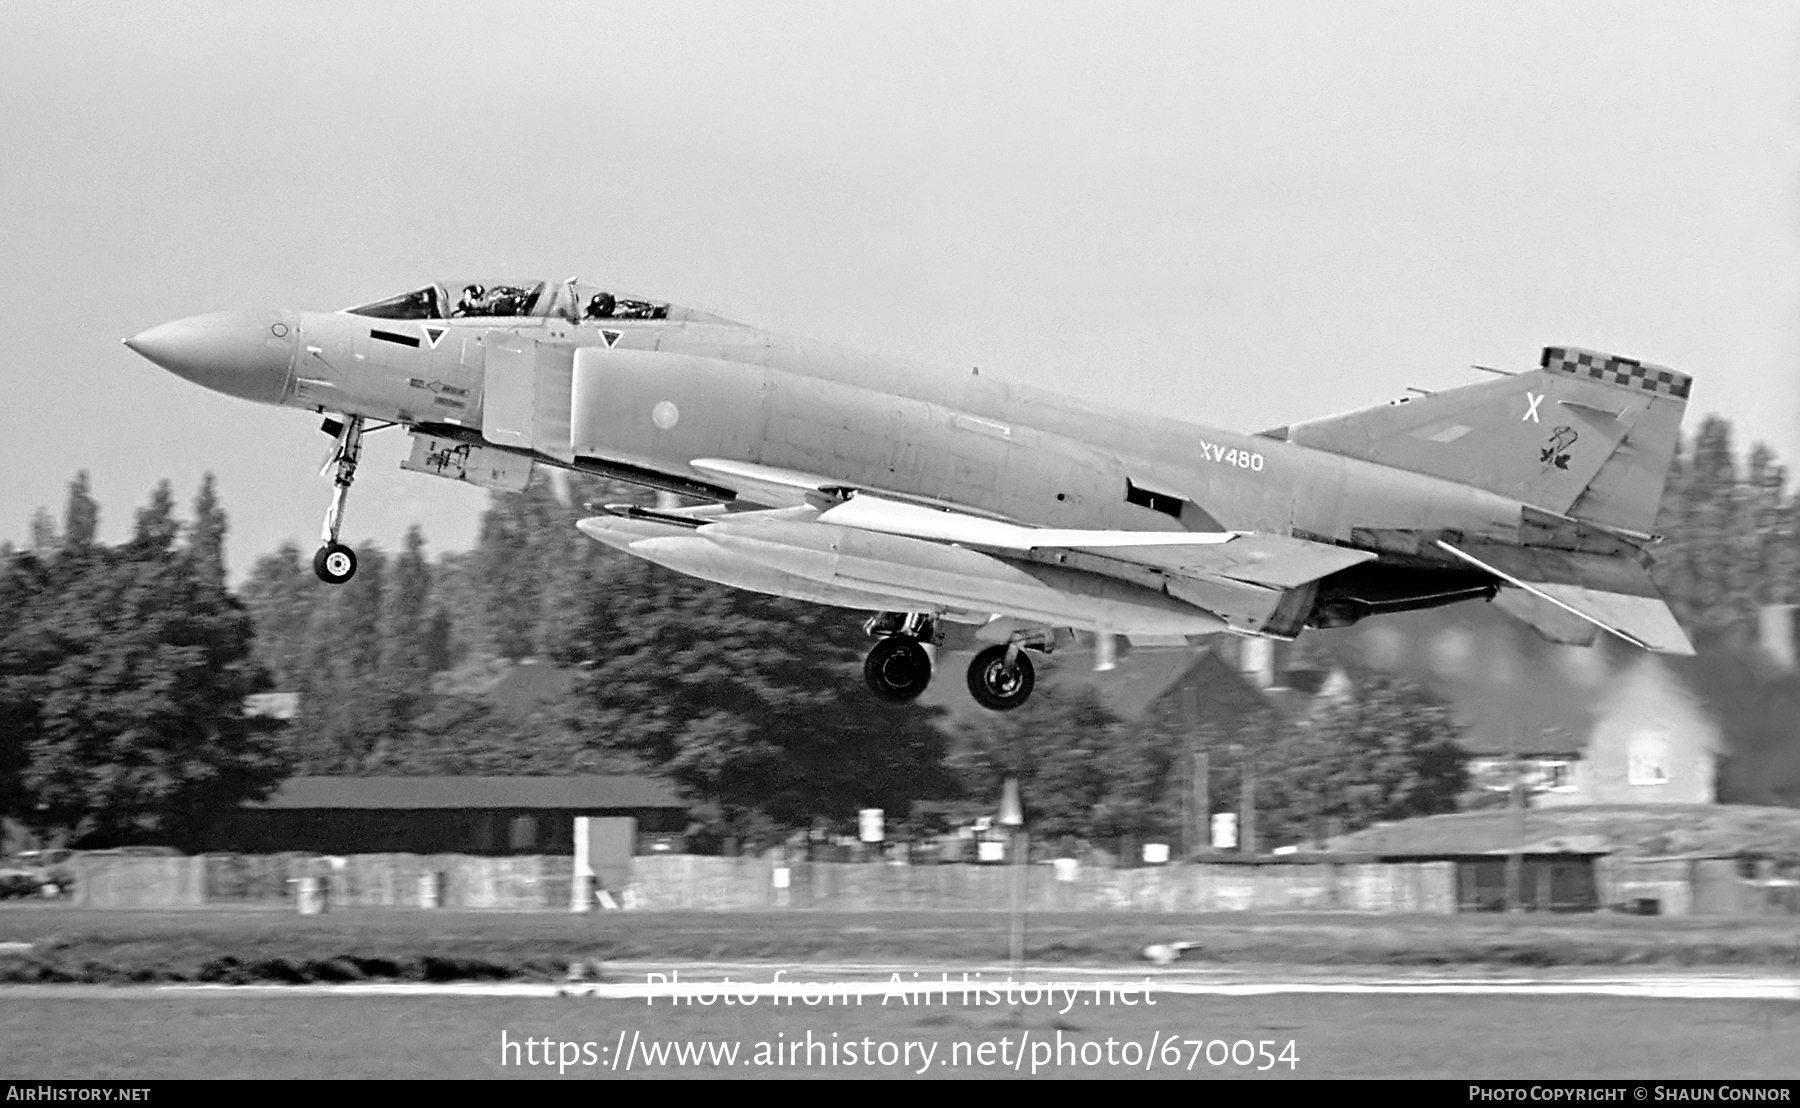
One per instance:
[(1012, 817), (1247, 804), (1193, 799), (1515, 800), (1202, 801)]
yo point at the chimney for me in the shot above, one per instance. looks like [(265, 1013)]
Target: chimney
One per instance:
[(1259, 661), (1775, 631)]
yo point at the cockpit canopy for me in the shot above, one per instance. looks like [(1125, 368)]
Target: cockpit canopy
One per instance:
[(574, 300)]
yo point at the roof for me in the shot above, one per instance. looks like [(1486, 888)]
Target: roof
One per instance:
[(273, 705), (531, 685), (404, 793), (1485, 742), (1718, 830)]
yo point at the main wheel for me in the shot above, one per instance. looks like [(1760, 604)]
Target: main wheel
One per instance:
[(334, 563), (998, 685), (897, 669)]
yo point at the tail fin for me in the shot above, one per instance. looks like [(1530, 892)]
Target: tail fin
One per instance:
[(1586, 434)]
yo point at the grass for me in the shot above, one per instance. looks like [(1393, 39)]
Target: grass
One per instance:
[(227, 1035), (242, 946)]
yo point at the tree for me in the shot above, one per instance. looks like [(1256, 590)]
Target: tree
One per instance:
[(24, 581), (511, 556), (134, 668), (406, 615), (346, 707), (206, 535), (1387, 751), (1082, 773), (737, 697), (44, 540), (81, 518), (1772, 547), (155, 528), (280, 594)]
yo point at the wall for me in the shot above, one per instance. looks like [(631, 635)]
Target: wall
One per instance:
[(672, 882), (1680, 886), (111, 881), (1653, 745), (740, 884)]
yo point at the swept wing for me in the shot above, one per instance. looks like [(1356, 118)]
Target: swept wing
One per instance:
[(1255, 582)]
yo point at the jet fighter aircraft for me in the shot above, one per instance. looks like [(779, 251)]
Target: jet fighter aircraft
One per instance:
[(1016, 518)]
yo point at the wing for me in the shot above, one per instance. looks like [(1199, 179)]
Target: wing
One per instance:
[(1252, 582)]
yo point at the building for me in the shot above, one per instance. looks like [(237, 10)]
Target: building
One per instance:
[(443, 815), (1544, 765), (1603, 724), (1679, 859)]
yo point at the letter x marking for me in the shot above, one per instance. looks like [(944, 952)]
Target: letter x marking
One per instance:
[(1531, 413)]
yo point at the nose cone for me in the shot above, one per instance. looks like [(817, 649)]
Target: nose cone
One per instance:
[(244, 354)]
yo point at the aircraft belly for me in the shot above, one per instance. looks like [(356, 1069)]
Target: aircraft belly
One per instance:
[(678, 547), (930, 574), (702, 558)]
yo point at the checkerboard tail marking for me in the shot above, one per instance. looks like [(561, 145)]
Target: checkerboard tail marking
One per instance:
[(1611, 369)]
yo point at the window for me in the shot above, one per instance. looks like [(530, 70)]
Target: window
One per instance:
[(1647, 761), (425, 303), (1556, 776), (1492, 774), (524, 833), (498, 299)]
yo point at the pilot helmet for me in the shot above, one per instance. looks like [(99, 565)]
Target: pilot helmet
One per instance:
[(475, 291)]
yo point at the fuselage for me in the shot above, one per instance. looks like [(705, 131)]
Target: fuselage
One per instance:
[(645, 393), (828, 468), (660, 393)]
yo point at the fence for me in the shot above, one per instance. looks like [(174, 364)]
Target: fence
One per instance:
[(1680, 886), (726, 884), (665, 882)]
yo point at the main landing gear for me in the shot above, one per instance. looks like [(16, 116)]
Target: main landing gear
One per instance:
[(1001, 677), (898, 667), (334, 562)]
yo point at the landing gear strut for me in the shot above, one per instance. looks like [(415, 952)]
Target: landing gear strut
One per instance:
[(1001, 677), (898, 667), (334, 562)]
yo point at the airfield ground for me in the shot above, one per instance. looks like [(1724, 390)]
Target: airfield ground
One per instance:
[(224, 1034), (242, 946), (150, 1030)]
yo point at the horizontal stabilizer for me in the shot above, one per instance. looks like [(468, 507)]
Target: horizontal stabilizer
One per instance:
[(1547, 619), (1635, 613)]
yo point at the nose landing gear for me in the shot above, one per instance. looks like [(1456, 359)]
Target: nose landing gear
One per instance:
[(334, 562)]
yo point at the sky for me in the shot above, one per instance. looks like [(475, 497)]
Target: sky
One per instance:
[(1240, 214)]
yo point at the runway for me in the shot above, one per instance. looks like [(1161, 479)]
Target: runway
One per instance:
[(823, 984)]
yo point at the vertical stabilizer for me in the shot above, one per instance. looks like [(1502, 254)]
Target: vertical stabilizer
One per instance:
[(1586, 434)]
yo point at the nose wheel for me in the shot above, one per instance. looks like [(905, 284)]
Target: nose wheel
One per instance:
[(1001, 678), (334, 562)]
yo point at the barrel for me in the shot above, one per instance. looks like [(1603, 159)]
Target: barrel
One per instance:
[(311, 897)]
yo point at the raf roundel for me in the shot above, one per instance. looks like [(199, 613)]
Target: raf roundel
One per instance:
[(664, 415)]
